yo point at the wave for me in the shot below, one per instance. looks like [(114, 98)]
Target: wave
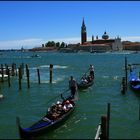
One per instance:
[(43, 80), (54, 66)]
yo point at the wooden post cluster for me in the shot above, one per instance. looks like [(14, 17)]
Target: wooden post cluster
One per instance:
[(12, 71)]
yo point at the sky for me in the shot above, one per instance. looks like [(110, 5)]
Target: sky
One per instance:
[(29, 24)]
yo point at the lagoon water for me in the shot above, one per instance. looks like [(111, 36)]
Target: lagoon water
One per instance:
[(31, 104)]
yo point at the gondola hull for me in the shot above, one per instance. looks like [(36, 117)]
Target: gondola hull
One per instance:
[(85, 86), (43, 126), (135, 85)]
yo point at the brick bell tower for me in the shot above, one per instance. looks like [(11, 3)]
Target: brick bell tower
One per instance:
[(83, 33)]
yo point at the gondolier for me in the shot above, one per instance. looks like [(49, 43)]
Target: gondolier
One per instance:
[(91, 71), (72, 86)]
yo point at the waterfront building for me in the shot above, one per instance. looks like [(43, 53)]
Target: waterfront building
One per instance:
[(103, 44)]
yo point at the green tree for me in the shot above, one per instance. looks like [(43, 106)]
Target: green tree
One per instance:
[(57, 44), (62, 45), (50, 44)]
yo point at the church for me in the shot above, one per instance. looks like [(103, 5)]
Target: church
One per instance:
[(99, 45)]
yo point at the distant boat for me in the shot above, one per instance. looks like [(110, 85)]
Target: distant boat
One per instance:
[(98, 51), (85, 85), (35, 55), (89, 82)]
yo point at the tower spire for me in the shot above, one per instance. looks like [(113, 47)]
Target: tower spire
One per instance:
[(83, 24), (83, 32)]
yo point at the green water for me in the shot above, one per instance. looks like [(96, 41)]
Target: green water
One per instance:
[(31, 104)]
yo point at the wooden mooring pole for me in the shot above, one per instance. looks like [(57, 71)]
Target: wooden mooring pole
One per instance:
[(126, 72), (20, 77), (13, 69), (103, 131), (104, 127), (108, 119), (38, 73), (51, 67), (139, 111), (2, 73), (123, 86), (22, 67), (28, 76), (6, 66), (16, 70), (8, 72), (26, 69)]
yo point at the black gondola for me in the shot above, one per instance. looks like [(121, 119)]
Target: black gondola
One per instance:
[(86, 85), (46, 123)]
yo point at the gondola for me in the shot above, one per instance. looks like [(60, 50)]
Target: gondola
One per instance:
[(35, 55), (134, 81), (81, 85), (46, 123)]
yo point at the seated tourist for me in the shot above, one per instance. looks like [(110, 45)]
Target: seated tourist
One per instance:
[(67, 106), (84, 80)]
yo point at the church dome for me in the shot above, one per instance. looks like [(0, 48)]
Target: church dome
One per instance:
[(105, 36)]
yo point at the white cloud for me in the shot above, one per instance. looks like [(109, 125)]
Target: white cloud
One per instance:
[(68, 40), (35, 42), (131, 38), (17, 44)]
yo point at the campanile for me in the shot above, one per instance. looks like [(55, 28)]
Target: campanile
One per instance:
[(83, 33)]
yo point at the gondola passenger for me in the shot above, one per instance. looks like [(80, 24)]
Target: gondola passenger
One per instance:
[(67, 106), (84, 80)]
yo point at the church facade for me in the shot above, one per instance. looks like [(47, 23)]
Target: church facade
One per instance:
[(104, 44)]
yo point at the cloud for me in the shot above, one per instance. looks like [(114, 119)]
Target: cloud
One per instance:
[(36, 42), (131, 38), (68, 40), (17, 44)]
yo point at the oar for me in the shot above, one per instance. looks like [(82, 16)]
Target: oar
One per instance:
[(57, 96), (65, 91), (18, 124), (76, 96), (62, 97), (85, 73)]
